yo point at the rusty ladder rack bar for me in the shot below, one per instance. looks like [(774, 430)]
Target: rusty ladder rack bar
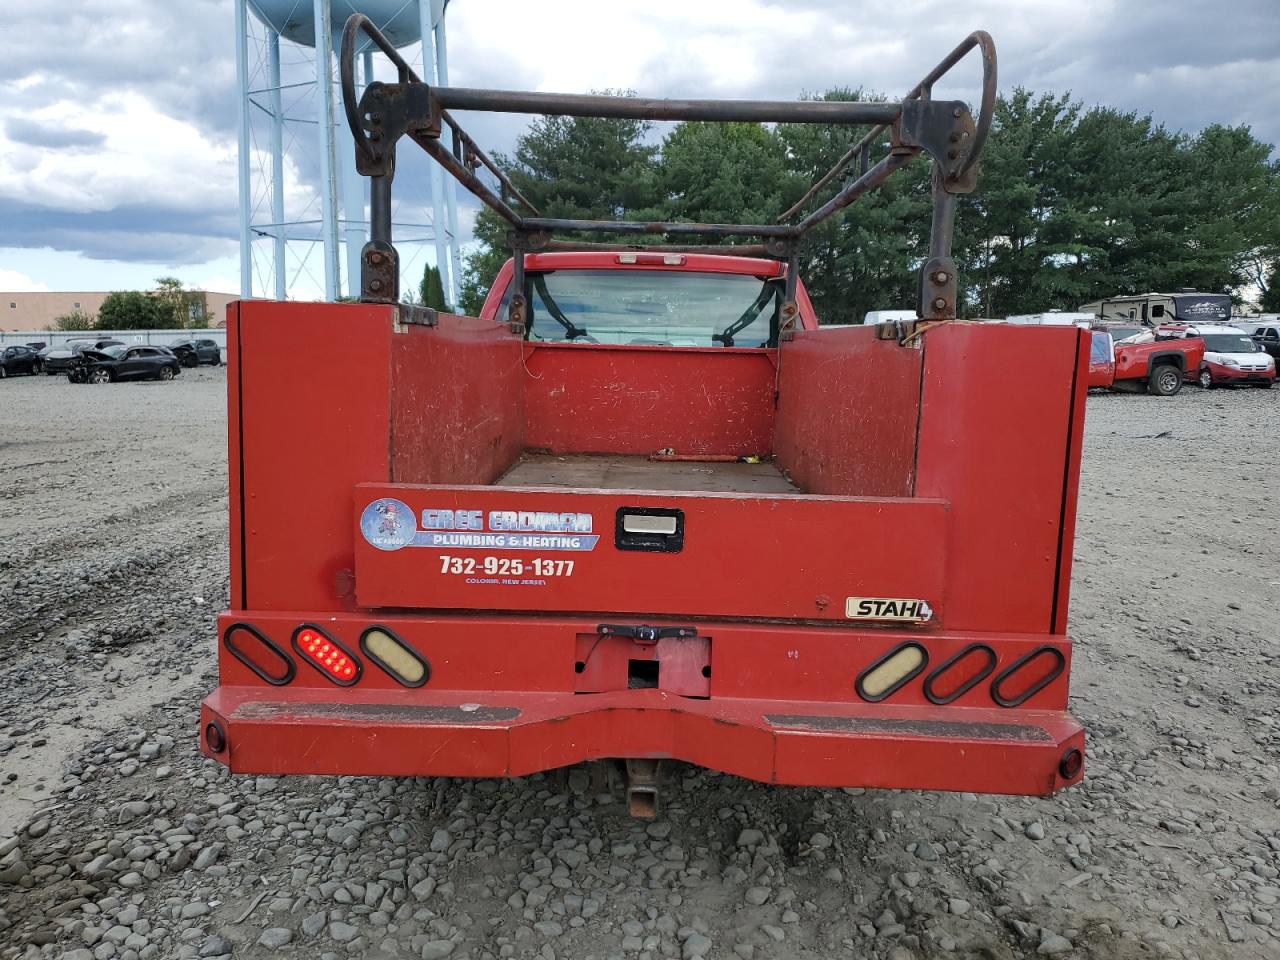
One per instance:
[(944, 130)]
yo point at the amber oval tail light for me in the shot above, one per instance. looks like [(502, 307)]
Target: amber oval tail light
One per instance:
[(892, 672), (396, 658)]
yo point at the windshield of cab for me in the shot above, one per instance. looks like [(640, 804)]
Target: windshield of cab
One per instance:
[(1229, 343), (652, 307), (115, 351)]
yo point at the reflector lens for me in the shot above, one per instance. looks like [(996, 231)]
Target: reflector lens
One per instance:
[(1071, 764), (962, 673), (1034, 671), (395, 656), (259, 653), (327, 655), (892, 671)]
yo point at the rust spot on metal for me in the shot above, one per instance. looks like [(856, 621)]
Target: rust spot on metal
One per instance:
[(425, 714), (896, 726)]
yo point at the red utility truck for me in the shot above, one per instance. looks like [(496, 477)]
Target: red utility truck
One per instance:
[(1160, 365), (643, 507)]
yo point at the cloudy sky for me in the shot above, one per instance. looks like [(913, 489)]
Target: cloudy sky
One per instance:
[(118, 117)]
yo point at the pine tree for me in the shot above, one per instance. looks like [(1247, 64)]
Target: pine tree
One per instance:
[(431, 290)]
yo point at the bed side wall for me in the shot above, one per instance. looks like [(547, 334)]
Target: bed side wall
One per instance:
[(312, 381), (848, 406), (999, 439), (457, 403)]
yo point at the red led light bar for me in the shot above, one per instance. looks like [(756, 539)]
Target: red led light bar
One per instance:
[(327, 654)]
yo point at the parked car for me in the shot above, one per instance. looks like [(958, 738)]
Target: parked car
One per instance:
[(58, 359), (1266, 334), (19, 359), (192, 353), (121, 362), (1230, 356)]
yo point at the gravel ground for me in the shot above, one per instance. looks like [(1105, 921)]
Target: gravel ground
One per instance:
[(124, 843)]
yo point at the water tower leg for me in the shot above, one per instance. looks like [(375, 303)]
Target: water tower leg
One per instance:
[(277, 166), (242, 77), (351, 189), (437, 175), (328, 178), (451, 195)]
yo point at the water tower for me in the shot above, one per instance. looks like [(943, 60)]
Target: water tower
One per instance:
[(300, 195)]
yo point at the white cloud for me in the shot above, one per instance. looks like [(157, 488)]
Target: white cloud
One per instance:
[(117, 117), (145, 155), (11, 281)]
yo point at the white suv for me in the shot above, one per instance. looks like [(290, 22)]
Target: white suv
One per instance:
[(1230, 355)]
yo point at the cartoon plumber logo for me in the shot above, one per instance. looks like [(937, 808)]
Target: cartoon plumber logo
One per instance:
[(388, 524)]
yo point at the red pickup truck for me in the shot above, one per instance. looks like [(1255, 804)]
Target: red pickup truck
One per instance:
[(1159, 365)]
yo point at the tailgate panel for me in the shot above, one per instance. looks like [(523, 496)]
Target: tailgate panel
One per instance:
[(542, 549)]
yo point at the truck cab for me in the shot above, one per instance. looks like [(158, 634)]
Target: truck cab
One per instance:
[(1265, 332), (1102, 363), (651, 299)]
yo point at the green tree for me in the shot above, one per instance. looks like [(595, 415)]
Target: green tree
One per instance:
[(722, 173), (1026, 239), (132, 310), (867, 256), (172, 297), (1235, 205), (567, 167), (1072, 204), (75, 320), (1269, 301), (431, 289)]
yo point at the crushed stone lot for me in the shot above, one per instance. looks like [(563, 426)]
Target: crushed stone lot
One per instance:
[(118, 840)]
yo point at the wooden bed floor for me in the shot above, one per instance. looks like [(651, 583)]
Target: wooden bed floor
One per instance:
[(641, 473)]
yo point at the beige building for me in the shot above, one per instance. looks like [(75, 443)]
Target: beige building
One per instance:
[(37, 310)]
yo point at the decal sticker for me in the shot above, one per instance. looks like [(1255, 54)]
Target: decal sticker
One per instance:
[(1204, 308), (887, 608), (389, 525)]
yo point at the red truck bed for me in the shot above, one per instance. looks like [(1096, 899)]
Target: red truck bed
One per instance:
[(879, 601)]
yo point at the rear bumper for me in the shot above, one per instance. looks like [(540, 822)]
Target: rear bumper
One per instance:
[(508, 733)]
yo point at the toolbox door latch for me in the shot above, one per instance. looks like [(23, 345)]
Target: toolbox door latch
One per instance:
[(651, 529)]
